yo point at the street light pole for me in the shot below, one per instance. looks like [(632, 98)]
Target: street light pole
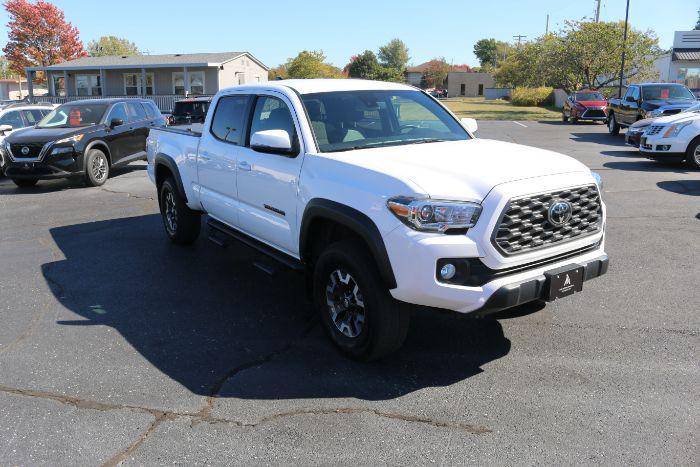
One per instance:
[(624, 46)]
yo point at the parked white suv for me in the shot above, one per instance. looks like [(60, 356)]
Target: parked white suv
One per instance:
[(383, 198), (676, 137)]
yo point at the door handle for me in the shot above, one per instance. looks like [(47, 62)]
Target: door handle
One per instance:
[(204, 156), (244, 166)]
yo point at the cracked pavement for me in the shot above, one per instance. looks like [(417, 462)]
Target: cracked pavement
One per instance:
[(118, 348)]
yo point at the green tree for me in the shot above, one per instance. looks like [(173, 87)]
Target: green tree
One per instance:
[(112, 45), (697, 24), (582, 54), (486, 51), (5, 68), (310, 64), (394, 55), (278, 72), (365, 66), (435, 73)]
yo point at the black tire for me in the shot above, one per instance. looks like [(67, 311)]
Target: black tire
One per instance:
[(96, 168), (182, 224), (574, 120), (25, 182), (692, 154), (385, 320), (564, 118), (613, 126)]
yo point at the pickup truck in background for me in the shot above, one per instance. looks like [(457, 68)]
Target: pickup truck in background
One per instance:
[(648, 100), (384, 200)]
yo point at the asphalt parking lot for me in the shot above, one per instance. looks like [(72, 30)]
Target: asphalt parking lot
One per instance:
[(116, 346)]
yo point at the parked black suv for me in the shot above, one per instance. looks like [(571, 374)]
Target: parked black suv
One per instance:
[(188, 111), (82, 138)]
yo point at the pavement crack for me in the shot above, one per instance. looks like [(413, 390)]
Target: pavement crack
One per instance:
[(125, 453), (130, 195)]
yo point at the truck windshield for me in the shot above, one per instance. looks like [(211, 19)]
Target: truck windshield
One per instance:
[(347, 120), (666, 91), (73, 116)]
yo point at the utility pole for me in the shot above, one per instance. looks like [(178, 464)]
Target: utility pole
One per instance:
[(519, 37), (546, 28), (624, 46), (597, 11)]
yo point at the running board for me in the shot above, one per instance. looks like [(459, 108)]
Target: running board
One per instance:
[(221, 234)]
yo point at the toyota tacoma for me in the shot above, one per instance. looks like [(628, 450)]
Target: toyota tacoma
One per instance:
[(384, 199)]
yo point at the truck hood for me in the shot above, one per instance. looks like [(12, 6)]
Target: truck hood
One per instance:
[(461, 170), (668, 104)]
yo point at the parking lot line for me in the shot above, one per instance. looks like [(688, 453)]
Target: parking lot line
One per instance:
[(518, 123)]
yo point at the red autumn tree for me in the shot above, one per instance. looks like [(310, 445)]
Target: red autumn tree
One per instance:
[(39, 35)]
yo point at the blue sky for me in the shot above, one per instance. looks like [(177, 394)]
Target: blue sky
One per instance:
[(274, 30)]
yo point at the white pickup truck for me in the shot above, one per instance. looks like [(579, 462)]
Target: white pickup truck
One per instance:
[(384, 199)]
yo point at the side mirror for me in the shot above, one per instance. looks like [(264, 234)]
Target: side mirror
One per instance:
[(271, 141), (115, 122), (470, 124), (630, 99), (5, 129)]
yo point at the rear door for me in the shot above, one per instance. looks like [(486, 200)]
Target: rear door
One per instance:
[(117, 138), (268, 183), (139, 124), (217, 157)]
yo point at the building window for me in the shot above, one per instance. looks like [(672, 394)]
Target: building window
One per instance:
[(133, 85), (196, 82), (481, 89), (462, 89), (59, 86), (690, 77), (87, 85)]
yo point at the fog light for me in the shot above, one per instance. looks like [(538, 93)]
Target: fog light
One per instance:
[(448, 271), (663, 147)]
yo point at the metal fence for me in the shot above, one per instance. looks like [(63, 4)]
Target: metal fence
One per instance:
[(165, 102)]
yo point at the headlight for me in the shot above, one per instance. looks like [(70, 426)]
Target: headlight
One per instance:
[(598, 180), (673, 130), (62, 150), (71, 139), (654, 113), (435, 216)]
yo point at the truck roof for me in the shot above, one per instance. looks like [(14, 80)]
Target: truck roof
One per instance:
[(310, 86)]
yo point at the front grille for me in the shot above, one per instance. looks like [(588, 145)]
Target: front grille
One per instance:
[(654, 130), (34, 150), (524, 226), (594, 113)]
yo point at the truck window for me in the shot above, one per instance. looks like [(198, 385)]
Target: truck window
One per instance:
[(229, 115), (635, 93), (136, 111), (272, 113)]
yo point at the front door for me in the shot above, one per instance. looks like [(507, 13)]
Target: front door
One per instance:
[(139, 124), (118, 138), (268, 183), (218, 153)]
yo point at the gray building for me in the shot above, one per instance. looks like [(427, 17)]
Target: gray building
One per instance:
[(163, 78), (682, 65)]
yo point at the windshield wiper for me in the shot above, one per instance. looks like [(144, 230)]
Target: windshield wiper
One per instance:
[(398, 142)]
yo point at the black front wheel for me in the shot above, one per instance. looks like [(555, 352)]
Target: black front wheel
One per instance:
[(613, 126), (692, 154), (357, 312), (25, 182), (181, 223), (96, 168)]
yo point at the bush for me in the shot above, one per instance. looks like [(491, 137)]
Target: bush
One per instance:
[(532, 96)]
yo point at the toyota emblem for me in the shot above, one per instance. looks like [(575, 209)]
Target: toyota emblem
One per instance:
[(25, 150), (559, 213)]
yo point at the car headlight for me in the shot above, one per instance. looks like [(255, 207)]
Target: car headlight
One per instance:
[(70, 139), (435, 216), (653, 113), (673, 130), (598, 180), (62, 150)]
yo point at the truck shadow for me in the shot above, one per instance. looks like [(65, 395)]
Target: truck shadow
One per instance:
[(7, 187), (600, 138), (201, 315)]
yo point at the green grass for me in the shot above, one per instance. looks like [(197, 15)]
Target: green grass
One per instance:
[(481, 109)]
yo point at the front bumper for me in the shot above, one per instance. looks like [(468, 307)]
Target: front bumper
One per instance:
[(633, 138), (52, 166), (656, 147)]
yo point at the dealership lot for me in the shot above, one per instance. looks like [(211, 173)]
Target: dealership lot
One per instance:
[(102, 362)]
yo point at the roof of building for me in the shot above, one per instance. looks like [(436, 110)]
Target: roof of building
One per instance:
[(149, 61), (310, 86), (686, 54), (453, 68)]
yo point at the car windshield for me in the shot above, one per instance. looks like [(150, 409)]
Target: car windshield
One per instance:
[(589, 96), (74, 116), (347, 120), (666, 91), (196, 108)]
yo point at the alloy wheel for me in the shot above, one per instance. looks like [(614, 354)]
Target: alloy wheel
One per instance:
[(99, 168), (345, 303), (170, 212), (696, 155)]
